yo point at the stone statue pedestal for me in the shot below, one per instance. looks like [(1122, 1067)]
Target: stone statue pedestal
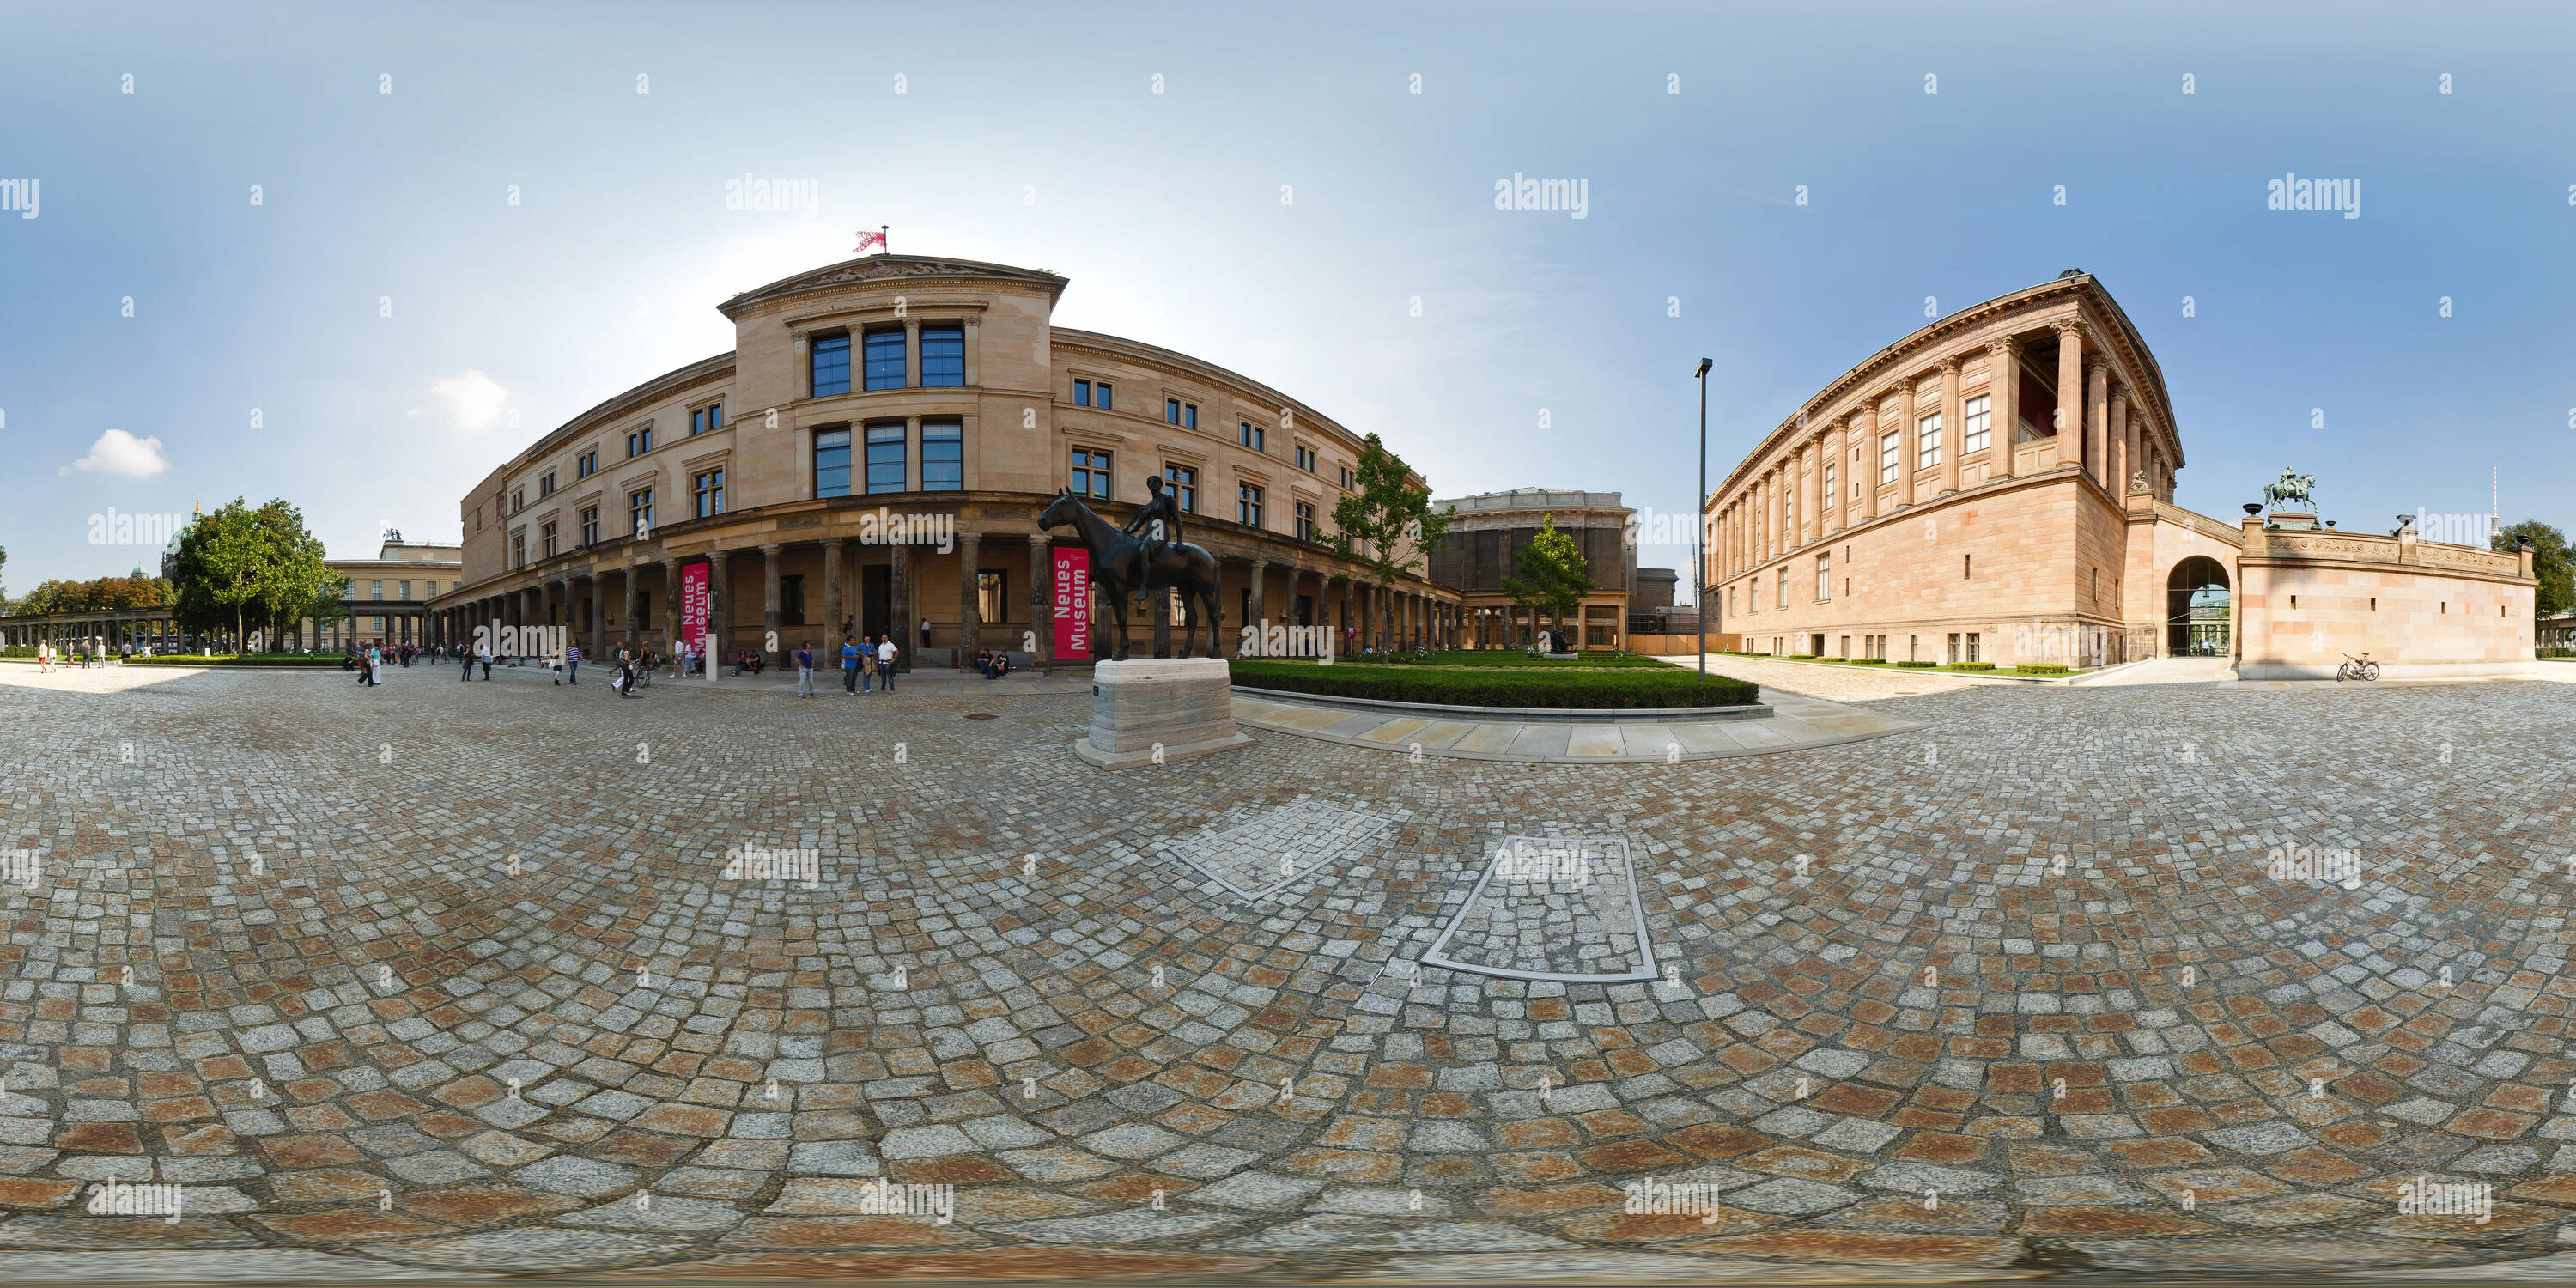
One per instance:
[(1183, 706)]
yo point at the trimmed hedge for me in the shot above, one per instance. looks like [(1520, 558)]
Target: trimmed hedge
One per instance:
[(255, 659), (1972, 666), (2041, 668), (1516, 658), (1467, 686), (1869, 661), (1925, 666)]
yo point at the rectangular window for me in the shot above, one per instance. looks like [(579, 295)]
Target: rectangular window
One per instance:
[(1082, 393), (1783, 579), (1091, 474), (1184, 483), (1927, 440), (1753, 593), (1306, 459), (1826, 501), (518, 500), (791, 599), (518, 555), (546, 485), (545, 542), (1101, 391), (1189, 416), (1247, 505), (1980, 418), (943, 456), (709, 487), (1305, 520), (590, 526), (1253, 436), (1346, 476), (888, 471), (1824, 577), (992, 596), (639, 442), (639, 508), (884, 357), (376, 590), (1967, 567), (706, 419), (1975, 646), (1887, 459), (832, 463), (586, 465), (943, 355), (830, 363)]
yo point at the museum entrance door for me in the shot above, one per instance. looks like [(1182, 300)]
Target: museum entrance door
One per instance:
[(2196, 609)]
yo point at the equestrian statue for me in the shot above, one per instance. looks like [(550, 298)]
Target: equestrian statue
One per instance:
[(1145, 555), (2293, 486)]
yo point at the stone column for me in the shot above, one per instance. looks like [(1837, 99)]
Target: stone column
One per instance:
[(2097, 415), (1954, 429), (598, 616), (1865, 424), (1908, 443), (906, 630), (1260, 598), (2003, 401), (2070, 391), (769, 605), (670, 605), (832, 596), (2117, 459), (1042, 600), (1829, 455), (719, 610), (970, 624), (634, 627)]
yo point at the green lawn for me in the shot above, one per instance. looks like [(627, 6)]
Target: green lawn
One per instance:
[(1560, 687)]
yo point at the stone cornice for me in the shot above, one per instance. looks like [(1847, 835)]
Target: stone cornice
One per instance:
[(891, 268)]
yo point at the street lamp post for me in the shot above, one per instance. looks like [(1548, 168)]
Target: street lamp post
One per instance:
[(1699, 511)]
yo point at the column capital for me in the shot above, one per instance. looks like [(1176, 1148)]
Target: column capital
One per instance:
[(1041, 539), (834, 543), (770, 550), (2096, 365), (2004, 346), (1950, 364), (2069, 327)]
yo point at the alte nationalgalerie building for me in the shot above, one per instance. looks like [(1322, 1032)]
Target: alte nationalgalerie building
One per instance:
[(1998, 486), (874, 454)]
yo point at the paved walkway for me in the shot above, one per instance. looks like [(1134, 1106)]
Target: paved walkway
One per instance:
[(1798, 723), (439, 979)]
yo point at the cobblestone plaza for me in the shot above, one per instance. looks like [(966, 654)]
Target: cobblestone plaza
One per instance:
[(449, 980)]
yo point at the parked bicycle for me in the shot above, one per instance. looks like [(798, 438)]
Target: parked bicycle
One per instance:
[(2356, 668)]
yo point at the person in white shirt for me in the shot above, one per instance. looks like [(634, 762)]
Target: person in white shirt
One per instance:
[(885, 659)]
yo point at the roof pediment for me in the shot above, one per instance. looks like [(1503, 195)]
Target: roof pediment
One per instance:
[(889, 268)]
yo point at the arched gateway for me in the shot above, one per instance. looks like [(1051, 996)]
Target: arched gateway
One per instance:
[(2196, 616)]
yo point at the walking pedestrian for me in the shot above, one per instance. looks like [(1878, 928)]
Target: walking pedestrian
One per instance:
[(469, 663), (572, 663), (885, 660), (804, 671), (484, 655), (849, 667)]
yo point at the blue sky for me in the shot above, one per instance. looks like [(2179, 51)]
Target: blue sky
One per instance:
[(1031, 135)]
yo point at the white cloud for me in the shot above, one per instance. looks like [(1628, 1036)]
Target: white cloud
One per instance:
[(472, 402), (118, 452)]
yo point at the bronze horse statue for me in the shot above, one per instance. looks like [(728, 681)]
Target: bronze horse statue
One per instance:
[(1115, 557)]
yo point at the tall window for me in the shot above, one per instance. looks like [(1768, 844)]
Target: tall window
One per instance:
[(1183, 480), (590, 526), (1783, 580), (545, 542), (1346, 476), (586, 465), (1305, 520), (1247, 505), (1101, 392), (1979, 416), (830, 360), (519, 496), (992, 597), (710, 417), (885, 358), (943, 354), (639, 508), (518, 555), (886, 466), (639, 442), (1824, 577), (1887, 459), (1176, 412), (546, 485), (1927, 441), (1091, 474), (709, 487), (1250, 435), (832, 463), (1826, 500), (943, 456), (791, 599), (1082, 393), (1305, 458)]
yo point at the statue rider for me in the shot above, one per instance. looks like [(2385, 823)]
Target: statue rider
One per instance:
[(1160, 525)]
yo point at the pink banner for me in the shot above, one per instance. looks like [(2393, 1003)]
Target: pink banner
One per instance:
[(1072, 603), (693, 605)]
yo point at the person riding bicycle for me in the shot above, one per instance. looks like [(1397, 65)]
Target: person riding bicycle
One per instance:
[(1159, 522)]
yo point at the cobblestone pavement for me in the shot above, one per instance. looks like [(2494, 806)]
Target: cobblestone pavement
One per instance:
[(451, 980)]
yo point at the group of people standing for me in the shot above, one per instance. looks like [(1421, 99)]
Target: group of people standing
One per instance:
[(863, 659)]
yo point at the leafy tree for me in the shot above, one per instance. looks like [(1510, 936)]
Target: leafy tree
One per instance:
[(2550, 563), (1385, 524), (247, 566), (1549, 574)]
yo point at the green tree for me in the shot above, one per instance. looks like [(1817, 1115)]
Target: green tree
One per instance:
[(1385, 524), (2550, 563), (1549, 574), (238, 566)]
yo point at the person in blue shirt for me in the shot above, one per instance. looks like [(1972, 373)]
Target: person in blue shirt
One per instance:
[(849, 667), (804, 671)]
